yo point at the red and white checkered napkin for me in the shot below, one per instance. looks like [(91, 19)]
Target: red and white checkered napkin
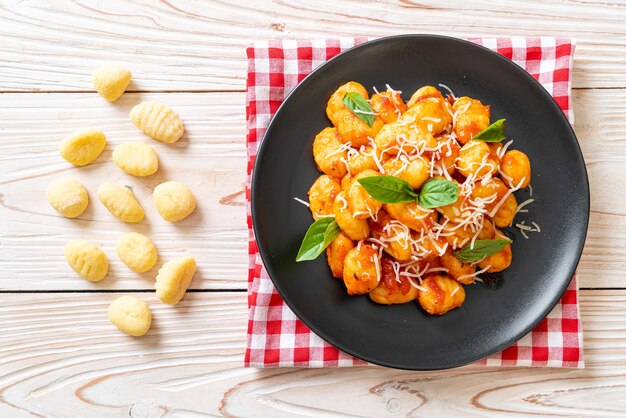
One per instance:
[(276, 337)]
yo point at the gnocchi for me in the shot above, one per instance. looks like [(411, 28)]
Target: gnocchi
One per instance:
[(439, 184), (68, 197), (136, 158), (111, 81), (83, 147), (322, 194), (158, 121), (336, 254), (173, 279), (86, 259), (440, 294), (174, 201), (130, 315), (328, 153), (121, 202), (392, 289), (361, 271), (137, 251)]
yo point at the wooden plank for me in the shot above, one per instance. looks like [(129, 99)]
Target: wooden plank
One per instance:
[(188, 45), (60, 356), (210, 160)]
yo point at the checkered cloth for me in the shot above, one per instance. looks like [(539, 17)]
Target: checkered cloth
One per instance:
[(276, 337)]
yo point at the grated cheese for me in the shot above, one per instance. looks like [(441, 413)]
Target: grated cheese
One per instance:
[(448, 89), (305, 203), (467, 276), (521, 205)]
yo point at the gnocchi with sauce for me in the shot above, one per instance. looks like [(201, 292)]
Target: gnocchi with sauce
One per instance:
[(419, 192)]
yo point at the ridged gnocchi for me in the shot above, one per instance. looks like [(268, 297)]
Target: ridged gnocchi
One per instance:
[(440, 294), (361, 271), (68, 197), (130, 315), (158, 121), (173, 279), (86, 259), (417, 191), (174, 201), (137, 251), (136, 158), (111, 81), (83, 147), (121, 202)]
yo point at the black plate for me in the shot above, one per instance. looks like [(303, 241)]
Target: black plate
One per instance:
[(492, 317)]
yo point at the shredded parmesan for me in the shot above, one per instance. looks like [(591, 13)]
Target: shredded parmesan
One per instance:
[(467, 276), (521, 206), (524, 229), (304, 202), (502, 150), (448, 89), (377, 265)]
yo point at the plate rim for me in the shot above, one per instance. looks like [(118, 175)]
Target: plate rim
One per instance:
[(265, 257)]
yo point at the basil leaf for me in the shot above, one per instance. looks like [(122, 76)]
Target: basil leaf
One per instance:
[(438, 192), (360, 107), (492, 133), (482, 248), (319, 236), (388, 189)]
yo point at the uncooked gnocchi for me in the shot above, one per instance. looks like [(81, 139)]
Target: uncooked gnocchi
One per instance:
[(121, 202), (111, 81), (137, 251), (82, 147), (68, 197), (86, 259), (136, 158), (157, 120), (173, 279), (130, 315), (174, 201)]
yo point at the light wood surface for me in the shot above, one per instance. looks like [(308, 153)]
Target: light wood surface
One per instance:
[(60, 356), (210, 159), (188, 45), (63, 352)]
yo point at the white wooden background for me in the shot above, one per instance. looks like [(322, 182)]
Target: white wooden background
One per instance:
[(59, 355)]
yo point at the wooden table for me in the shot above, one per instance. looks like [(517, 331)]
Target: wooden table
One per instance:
[(59, 354)]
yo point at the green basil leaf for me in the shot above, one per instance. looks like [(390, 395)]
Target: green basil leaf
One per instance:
[(482, 248), (438, 192), (492, 133), (319, 236), (360, 107), (388, 189)]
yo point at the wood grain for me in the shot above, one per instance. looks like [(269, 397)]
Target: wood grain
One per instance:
[(210, 160), (62, 347), (200, 46)]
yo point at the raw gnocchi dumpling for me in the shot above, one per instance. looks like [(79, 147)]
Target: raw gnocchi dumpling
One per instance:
[(130, 315), (68, 197), (157, 120), (174, 201), (174, 278), (136, 158), (86, 259), (137, 251), (83, 147), (111, 81), (121, 202)]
